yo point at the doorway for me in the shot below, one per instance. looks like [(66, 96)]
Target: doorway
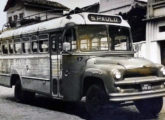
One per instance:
[(162, 48)]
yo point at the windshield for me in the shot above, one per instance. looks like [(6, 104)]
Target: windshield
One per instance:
[(103, 38)]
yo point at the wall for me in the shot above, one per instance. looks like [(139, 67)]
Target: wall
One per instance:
[(16, 10), (156, 8), (27, 11), (140, 49), (155, 16), (32, 11)]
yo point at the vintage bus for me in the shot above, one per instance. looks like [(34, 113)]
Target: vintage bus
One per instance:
[(83, 55)]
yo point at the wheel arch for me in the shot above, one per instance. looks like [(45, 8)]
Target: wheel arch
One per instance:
[(91, 80), (14, 78)]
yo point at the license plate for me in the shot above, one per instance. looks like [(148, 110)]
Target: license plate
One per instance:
[(146, 87)]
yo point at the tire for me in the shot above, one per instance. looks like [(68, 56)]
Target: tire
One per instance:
[(150, 106), (96, 100), (21, 95)]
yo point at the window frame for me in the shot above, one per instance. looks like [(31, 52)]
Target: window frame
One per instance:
[(90, 41), (6, 43), (23, 42), (31, 42), (44, 39), (57, 35), (110, 41), (12, 43), (73, 38), (17, 42)]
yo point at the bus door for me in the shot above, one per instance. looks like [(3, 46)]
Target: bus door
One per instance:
[(71, 66), (56, 60)]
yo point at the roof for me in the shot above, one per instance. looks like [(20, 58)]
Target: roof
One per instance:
[(42, 4), (79, 19), (72, 4), (120, 6)]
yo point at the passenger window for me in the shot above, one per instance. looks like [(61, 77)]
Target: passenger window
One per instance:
[(74, 45), (34, 44), (5, 47), (104, 43), (11, 47), (43, 43), (120, 43), (93, 38), (85, 45), (95, 44), (17, 46), (26, 45)]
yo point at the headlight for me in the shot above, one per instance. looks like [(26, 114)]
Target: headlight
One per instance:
[(117, 74), (162, 70)]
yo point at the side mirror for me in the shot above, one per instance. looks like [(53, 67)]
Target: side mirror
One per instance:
[(66, 46)]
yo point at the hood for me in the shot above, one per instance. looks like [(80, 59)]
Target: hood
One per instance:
[(126, 62), (132, 66)]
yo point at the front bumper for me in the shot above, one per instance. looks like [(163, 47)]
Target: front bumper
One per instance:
[(140, 94), (120, 97)]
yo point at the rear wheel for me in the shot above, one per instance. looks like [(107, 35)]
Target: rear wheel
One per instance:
[(149, 106), (21, 95), (96, 100)]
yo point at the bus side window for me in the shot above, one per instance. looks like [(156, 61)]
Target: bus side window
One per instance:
[(26, 45), (5, 47), (17, 46), (34, 44), (70, 37), (43, 43), (11, 47)]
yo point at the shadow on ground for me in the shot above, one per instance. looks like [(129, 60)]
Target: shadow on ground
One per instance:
[(78, 109)]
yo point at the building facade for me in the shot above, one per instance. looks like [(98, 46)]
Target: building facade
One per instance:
[(134, 11), (155, 31), (19, 10), (26, 11)]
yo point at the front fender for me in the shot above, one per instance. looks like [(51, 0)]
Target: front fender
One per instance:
[(103, 75)]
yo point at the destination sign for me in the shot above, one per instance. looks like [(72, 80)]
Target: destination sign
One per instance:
[(103, 18)]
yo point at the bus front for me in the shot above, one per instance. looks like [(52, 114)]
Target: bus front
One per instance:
[(101, 61)]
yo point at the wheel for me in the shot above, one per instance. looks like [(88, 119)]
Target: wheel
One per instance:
[(150, 106), (96, 100), (21, 95)]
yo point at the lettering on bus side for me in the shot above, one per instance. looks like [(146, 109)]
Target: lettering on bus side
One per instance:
[(103, 18)]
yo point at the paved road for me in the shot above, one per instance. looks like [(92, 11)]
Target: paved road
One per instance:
[(47, 109)]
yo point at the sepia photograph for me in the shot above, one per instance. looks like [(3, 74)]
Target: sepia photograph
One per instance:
[(82, 60)]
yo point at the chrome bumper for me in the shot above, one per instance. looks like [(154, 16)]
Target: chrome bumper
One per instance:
[(120, 97)]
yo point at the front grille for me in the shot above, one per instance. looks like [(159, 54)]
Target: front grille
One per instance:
[(140, 73), (136, 84)]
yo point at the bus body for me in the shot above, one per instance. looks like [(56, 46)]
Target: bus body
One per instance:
[(79, 55)]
